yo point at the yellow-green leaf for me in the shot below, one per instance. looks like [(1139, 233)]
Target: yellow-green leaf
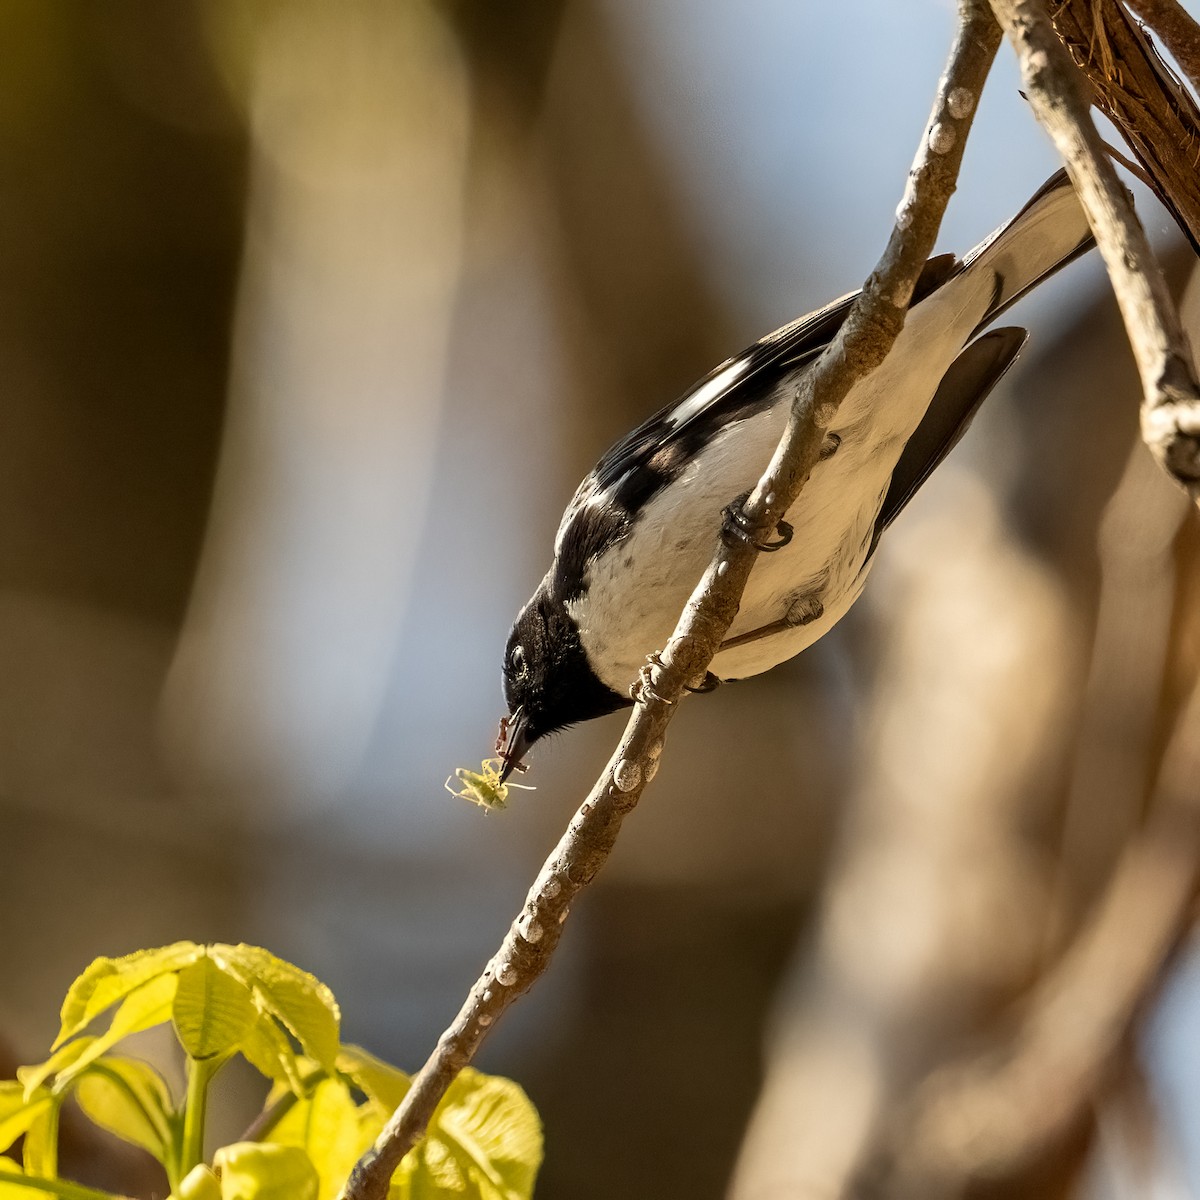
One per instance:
[(15, 1184), (148, 1006), (65, 1056), (129, 1098), (384, 1084), (40, 1149), (108, 980), (430, 1172), (10, 1186), (18, 1111), (298, 1000), (268, 1050), (213, 1010), (329, 1128), (265, 1171), (490, 1130)]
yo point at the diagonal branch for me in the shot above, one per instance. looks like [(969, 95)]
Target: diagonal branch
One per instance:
[(1136, 90), (1178, 31), (1171, 394), (859, 348)]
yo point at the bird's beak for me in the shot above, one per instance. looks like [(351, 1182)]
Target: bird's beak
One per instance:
[(516, 746)]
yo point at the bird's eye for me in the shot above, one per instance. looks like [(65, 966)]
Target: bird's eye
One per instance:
[(518, 660)]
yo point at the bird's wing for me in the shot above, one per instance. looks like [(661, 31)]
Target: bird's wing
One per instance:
[(650, 457), (963, 389), (1049, 233), (641, 462), (654, 454)]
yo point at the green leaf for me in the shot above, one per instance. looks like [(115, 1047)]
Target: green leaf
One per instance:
[(429, 1172), (40, 1150), (108, 980), (298, 1000), (265, 1171), (149, 1005), (268, 1050), (213, 1009), (488, 1128), (331, 1129), (10, 1188), (383, 1084), (16, 1185), (65, 1056), (10, 1185), (18, 1111), (129, 1098), (198, 1184)]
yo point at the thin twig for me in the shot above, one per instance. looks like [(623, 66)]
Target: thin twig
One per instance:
[(859, 348), (1134, 168), (1171, 395)]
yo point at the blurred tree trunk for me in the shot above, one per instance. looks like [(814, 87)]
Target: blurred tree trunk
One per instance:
[(122, 211), (995, 792)]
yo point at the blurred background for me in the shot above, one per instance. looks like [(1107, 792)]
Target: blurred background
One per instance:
[(311, 318)]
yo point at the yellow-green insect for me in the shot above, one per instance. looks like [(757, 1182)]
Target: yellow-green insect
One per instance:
[(483, 787)]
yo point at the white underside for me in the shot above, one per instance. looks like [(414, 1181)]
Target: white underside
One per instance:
[(636, 591)]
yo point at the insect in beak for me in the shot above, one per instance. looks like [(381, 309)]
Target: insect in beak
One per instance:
[(483, 787), (511, 744)]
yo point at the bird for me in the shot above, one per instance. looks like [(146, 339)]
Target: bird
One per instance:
[(642, 526)]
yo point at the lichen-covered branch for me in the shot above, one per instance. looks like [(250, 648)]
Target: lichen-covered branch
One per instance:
[(861, 346), (1171, 395)]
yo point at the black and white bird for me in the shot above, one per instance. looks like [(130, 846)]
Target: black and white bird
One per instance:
[(642, 526)]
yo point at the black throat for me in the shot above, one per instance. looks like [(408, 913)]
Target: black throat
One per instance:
[(559, 687)]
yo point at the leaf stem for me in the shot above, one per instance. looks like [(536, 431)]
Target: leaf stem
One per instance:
[(55, 1187), (264, 1124), (195, 1108), (53, 1120)]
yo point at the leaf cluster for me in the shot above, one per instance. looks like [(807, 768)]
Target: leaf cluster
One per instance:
[(327, 1103)]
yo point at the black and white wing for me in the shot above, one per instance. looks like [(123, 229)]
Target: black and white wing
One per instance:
[(651, 456), (964, 387)]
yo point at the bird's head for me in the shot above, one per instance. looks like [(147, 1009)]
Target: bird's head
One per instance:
[(548, 681)]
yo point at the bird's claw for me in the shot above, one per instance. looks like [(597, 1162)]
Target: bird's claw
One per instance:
[(642, 689), (735, 524)]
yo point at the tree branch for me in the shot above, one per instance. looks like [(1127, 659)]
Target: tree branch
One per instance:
[(1171, 395), (1136, 90), (1178, 32), (861, 345)]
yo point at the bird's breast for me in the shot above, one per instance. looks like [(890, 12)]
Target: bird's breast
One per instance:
[(636, 588)]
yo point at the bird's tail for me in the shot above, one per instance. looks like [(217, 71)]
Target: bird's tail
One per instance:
[(1047, 234)]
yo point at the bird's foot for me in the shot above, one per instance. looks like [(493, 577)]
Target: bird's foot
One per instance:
[(642, 689), (736, 524), (803, 610)]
